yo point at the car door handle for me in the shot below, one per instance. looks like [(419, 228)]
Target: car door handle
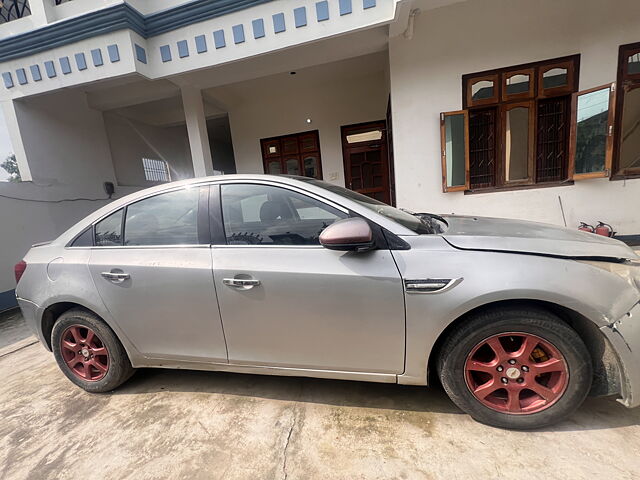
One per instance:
[(244, 283), (116, 277)]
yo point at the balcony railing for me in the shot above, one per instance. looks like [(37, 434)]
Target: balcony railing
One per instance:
[(13, 9)]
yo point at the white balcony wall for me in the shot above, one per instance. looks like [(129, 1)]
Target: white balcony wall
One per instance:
[(478, 35)]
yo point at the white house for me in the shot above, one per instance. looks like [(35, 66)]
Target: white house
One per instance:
[(511, 108)]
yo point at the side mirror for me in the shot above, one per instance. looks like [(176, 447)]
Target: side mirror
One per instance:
[(349, 234)]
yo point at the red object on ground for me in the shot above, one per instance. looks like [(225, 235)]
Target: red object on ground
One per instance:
[(585, 227), (516, 373), (604, 229), (19, 269)]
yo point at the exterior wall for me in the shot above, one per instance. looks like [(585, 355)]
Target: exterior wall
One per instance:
[(280, 105), (70, 158), (479, 35)]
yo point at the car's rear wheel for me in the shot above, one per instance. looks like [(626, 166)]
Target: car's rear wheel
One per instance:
[(519, 368), (88, 352)]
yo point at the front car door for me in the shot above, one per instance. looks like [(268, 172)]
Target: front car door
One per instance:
[(288, 302), (151, 264)]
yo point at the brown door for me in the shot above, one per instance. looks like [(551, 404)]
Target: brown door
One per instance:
[(366, 161), (296, 154)]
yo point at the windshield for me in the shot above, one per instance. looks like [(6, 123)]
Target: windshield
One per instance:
[(405, 219)]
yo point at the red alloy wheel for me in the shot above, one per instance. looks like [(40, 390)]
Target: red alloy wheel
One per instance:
[(516, 373), (84, 353)]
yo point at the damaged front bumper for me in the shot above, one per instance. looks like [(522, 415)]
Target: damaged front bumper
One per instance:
[(624, 336)]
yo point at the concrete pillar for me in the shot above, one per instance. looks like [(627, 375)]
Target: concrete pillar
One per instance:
[(197, 129), (13, 128), (42, 11)]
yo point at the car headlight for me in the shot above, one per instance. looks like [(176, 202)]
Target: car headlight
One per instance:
[(629, 270)]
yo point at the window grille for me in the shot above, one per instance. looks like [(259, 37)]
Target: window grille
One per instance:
[(156, 170)]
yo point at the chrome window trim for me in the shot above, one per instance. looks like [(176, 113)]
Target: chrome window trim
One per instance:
[(306, 247), (145, 247)]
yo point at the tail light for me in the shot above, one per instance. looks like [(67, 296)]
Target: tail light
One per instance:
[(19, 269)]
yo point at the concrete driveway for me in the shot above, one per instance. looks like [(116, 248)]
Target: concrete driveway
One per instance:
[(199, 425)]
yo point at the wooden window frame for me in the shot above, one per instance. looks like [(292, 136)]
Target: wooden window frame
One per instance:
[(506, 97), (443, 153), (567, 89), (573, 134), (536, 70), (530, 180), (492, 77), (281, 156), (625, 83)]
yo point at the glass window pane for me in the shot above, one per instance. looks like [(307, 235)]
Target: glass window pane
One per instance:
[(293, 166), (455, 150), (630, 138), (633, 64), (265, 215), (517, 144), (482, 90), (85, 239), (591, 131), (311, 167), (109, 230), (274, 168), (556, 77), (518, 83), (166, 219)]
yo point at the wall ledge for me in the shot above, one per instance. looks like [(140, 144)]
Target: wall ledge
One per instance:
[(117, 17)]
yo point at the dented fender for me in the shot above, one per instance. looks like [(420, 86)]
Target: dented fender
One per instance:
[(624, 335)]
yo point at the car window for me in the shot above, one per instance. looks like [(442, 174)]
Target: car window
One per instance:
[(85, 239), (109, 230), (266, 215), (165, 219)]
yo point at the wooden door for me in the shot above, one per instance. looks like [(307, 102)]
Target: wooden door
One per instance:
[(366, 160), (296, 154)]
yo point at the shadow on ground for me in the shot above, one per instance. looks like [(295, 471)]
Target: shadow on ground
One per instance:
[(595, 413), (12, 328)]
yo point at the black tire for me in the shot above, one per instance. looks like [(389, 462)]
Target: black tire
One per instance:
[(119, 367), (461, 342)]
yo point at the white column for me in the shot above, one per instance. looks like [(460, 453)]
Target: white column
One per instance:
[(42, 11), (13, 128), (197, 130)]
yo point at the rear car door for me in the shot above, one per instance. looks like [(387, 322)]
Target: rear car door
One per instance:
[(288, 302), (151, 264)]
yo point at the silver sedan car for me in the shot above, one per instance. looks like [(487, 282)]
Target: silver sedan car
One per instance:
[(518, 321)]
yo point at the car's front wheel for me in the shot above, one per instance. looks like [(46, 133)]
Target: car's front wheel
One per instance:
[(88, 352), (519, 368)]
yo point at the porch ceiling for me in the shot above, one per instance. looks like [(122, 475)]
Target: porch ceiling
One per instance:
[(293, 59), (365, 66)]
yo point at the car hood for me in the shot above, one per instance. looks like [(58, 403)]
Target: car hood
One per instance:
[(500, 234)]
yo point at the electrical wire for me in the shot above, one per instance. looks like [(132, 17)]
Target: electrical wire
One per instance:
[(58, 201)]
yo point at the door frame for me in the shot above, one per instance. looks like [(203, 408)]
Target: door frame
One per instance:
[(345, 130)]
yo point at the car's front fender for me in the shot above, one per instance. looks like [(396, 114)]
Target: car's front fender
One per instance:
[(494, 277)]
